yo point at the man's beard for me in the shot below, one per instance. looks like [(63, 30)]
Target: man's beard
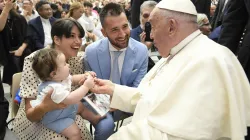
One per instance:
[(119, 45)]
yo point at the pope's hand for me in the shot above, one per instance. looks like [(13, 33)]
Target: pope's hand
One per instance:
[(103, 87)]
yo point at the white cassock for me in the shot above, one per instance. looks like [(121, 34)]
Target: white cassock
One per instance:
[(200, 92)]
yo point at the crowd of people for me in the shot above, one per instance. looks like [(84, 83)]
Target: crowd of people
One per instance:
[(170, 64)]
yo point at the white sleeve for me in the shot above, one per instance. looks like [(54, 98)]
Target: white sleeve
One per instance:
[(141, 130), (60, 92)]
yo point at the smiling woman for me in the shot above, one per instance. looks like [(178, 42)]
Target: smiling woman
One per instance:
[(66, 35)]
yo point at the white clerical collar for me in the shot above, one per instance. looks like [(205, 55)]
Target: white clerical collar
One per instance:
[(44, 20), (112, 48), (184, 42)]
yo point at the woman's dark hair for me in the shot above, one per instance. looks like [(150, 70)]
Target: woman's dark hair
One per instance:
[(44, 62), (110, 9), (63, 27)]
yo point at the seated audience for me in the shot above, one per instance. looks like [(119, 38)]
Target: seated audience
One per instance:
[(39, 28)]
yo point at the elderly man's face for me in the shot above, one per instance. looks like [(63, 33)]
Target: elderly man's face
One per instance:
[(144, 16), (159, 31)]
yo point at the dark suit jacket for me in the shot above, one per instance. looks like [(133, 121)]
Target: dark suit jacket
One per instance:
[(218, 14), (36, 33), (202, 6), (233, 25)]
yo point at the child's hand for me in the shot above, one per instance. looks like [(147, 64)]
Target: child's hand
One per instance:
[(85, 75), (89, 82), (82, 80), (93, 74)]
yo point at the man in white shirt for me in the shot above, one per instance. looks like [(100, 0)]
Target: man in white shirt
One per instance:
[(39, 28), (197, 91)]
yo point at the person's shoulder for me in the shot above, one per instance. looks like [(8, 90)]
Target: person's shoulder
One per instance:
[(210, 50), (97, 44), (137, 44), (33, 21)]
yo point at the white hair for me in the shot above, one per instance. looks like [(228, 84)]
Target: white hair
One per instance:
[(200, 18)]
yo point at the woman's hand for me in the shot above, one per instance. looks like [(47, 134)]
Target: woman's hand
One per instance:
[(37, 113)]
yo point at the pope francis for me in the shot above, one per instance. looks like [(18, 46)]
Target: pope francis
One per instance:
[(197, 91)]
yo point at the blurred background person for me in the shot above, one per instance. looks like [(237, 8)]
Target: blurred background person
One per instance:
[(139, 34), (212, 11), (204, 24), (13, 36), (219, 13), (28, 10), (76, 11), (64, 14)]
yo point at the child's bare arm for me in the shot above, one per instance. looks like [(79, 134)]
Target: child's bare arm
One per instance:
[(78, 94)]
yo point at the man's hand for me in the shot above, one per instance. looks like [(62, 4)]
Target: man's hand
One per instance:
[(50, 105), (103, 87)]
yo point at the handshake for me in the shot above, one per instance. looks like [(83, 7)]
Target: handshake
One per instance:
[(90, 81), (87, 79)]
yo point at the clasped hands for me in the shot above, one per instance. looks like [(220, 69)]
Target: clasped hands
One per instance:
[(89, 80), (97, 85)]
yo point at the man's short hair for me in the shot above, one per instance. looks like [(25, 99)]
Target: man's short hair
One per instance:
[(111, 9), (40, 4), (87, 4)]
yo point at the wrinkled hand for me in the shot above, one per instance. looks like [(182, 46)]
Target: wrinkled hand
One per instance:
[(103, 87), (89, 82), (50, 105)]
